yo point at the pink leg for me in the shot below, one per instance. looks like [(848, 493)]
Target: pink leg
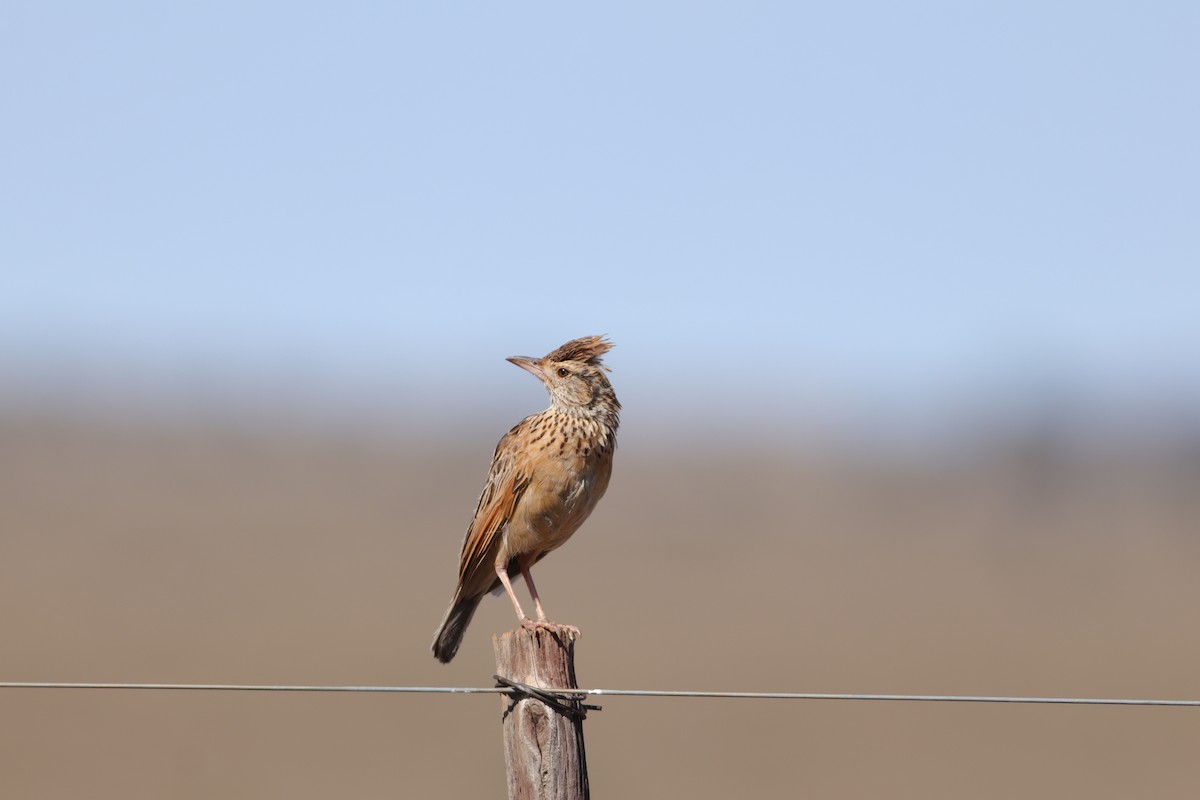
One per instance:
[(537, 602), (502, 573)]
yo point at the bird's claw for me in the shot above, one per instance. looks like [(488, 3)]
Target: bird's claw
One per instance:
[(547, 625)]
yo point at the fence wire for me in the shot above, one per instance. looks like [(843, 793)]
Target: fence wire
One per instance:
[(574, 693)]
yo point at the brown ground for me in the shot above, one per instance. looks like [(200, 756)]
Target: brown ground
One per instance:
[(130, 555)]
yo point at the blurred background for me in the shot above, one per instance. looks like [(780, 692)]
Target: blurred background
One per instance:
[(905, 300)]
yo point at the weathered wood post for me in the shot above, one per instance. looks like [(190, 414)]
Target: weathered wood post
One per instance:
[(543, 741)]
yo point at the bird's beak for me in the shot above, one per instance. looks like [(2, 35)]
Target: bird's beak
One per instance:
[(530, 365)]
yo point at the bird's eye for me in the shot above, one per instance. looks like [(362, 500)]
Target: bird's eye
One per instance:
[(562, 372)]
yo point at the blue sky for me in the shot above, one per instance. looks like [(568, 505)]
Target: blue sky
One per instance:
[(815, 206)]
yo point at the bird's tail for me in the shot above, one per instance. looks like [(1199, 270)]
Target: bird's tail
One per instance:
[(450, 633)]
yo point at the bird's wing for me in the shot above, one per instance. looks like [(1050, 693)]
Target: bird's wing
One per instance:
[(506, 483)]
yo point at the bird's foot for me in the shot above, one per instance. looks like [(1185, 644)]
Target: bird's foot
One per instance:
[(547, 625)]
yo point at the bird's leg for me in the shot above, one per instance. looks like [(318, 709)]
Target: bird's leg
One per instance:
[(541, 622), (502, 572), (526, 563)]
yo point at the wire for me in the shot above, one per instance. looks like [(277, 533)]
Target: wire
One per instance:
[(237, 687), (568, 693)]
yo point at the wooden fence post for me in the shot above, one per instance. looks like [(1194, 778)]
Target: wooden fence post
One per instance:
[(543, 745)]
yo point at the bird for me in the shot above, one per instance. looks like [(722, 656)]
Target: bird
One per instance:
[(547, 474)]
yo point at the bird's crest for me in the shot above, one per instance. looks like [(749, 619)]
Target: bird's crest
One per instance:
[(587, 349)]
